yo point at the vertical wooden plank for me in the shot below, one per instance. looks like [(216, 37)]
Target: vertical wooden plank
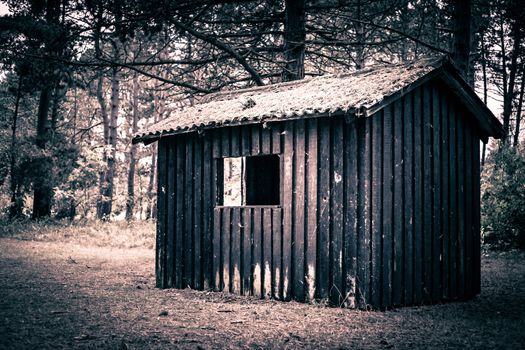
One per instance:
[(257, 253), (276, 138), (170, 214), (453, 195), (461, 204), (216, 194), (235, 251), (188, 213), (418, 200), (377, 200), (398, 207), (336, 212), (246, 138), (299, 211), (427, 192), (468, 209), (225, 248), (445, 199), (476, 208), (179, 211), (207, 201), (197, 212), (160, 256), (247, 252), (392, 225), (267, 253), (408, 192), (364, 194), (287, 193), (437, 238), (256, 139), (266, 140), (217, 251), (277, 256), (235, 141), (323, 248), (350, 208), (311, 211)]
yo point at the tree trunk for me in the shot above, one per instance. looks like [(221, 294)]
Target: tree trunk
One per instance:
[(43, 188), (360, 38), (294, 37), (485, 89), (106, 189), (462, 36), (518, 112), (15, 208), (508, 97), (133, 151)]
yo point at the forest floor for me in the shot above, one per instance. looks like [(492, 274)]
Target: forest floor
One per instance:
[(80, 294)]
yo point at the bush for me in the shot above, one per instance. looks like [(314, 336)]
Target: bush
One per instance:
[(503, 199)]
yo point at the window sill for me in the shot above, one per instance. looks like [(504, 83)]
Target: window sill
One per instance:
[(248, 206)]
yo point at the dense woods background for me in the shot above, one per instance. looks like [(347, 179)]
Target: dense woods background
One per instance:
[(80, 77)]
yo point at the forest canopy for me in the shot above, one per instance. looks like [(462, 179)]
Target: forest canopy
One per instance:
[(80, 77)]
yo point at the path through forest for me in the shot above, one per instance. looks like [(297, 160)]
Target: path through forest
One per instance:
[(56, 295)]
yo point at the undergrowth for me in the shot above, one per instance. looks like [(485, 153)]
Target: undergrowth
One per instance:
[(117, 234)]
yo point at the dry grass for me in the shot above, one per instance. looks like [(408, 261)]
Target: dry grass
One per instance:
[(103, 296), (119, 234)]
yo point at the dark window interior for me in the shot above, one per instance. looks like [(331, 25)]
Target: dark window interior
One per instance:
[(262, 180)]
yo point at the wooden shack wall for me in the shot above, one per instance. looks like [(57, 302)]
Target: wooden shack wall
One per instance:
[(380, 211)]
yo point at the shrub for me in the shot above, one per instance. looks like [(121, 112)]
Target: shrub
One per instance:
[(503, 199)]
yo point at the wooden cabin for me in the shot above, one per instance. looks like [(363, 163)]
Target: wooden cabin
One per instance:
[(358, 190)]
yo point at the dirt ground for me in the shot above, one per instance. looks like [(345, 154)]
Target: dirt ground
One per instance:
[(55, 295)]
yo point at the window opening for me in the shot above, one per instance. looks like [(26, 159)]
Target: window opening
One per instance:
[(251, 180)]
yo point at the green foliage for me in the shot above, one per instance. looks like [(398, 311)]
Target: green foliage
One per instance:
[(503, 199)]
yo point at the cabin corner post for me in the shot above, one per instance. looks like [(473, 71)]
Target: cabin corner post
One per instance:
[(161, 214)]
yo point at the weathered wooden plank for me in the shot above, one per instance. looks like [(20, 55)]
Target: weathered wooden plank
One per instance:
[(445, 198), (179, 211), (188, 214), (461, 204), (235, 141), (392, 225), (266, 140), (287, 193), (170, 214), (427, 197), (225, 141), (246, 139), (217, 250), (437, 238), (336, 212), (226, 248), (256, 139), (397, 209), (247, 252), (277, 254), (350, 213), (418, 199), (197, 212), (235, 251), (476, 208), (299, 210), (323, 248), (311, 210), (468, 211), (377, 200), (267, 253), (276, 138), (257, 253), (453, 195), (207, 195), (160, 257), (363, 246), (408, 202)]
